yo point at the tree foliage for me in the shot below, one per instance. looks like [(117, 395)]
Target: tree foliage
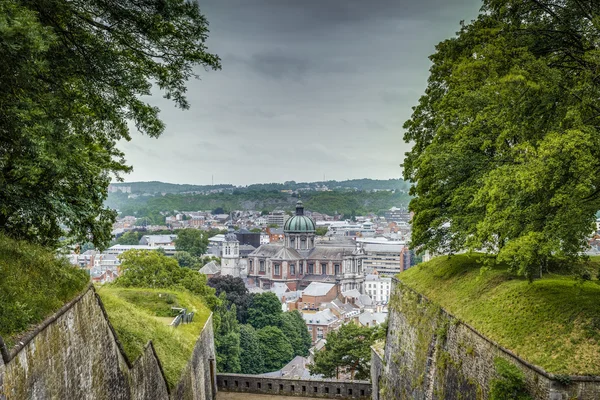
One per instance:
[(227, 337), (296, 330), (348, 350), (275, 347), (236, 293), (193, 241), (506, 148), (72, 75), (130, 238), (251, 356), (265, 310), (152, 269)]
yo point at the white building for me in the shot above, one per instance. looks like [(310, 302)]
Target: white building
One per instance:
[(378, 287), (230, 258)]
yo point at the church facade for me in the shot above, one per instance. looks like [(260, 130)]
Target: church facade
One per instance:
[(298, 261)]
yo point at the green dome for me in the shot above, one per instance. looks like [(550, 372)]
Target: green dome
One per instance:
[(299, 223)]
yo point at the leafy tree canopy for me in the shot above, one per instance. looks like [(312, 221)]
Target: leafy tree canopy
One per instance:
[(193, 241), (153, 269), (348, 350), (129, 238), (506, 154), (72, 75), (275, 348), (186, 260), (235, 292), (227, 337), (251, 357), (265, 310), (296, 330)]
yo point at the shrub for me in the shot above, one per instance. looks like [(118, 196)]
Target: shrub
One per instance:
[(511, 382)]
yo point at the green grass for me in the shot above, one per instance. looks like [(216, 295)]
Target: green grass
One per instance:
[(552, 322), (34, 284), (139, 315)]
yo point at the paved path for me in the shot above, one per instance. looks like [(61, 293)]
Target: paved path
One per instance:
[(249, 396)]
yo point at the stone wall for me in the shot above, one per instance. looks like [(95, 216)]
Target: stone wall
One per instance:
[(430, 354), (75, 354), (325, 388), (377, 371)]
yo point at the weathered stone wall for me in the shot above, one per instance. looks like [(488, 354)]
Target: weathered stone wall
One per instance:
[(431, 355), (377, 371), (75, 355), (325, 388)]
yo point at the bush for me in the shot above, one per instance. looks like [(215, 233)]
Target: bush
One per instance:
[(34, 283), (152, 269), (511, 382)]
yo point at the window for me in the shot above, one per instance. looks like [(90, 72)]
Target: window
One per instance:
[(336, 267), (293, 242), (311, 268), (319, 333), (250, 268), (262, 265), (323, 269), (300, 268), (292, 269), (276, 269)]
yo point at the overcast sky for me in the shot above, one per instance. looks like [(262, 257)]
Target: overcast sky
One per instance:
[(309, 89)]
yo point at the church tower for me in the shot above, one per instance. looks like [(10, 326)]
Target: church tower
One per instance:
[(230, 257)]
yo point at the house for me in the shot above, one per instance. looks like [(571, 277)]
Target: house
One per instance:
[(295, 369), (378, 287), (211, 269), (320, 323), (347, 312), (317, 293), (158, 240), (362, 301), (370, 318), (275, 234)]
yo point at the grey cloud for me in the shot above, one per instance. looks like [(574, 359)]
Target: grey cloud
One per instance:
[(278, 64), (374, 125), (329, 81)]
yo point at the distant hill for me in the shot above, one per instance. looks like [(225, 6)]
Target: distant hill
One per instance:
[(351, 197), (154, 187)]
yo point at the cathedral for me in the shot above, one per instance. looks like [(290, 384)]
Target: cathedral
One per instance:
[(298, 261)]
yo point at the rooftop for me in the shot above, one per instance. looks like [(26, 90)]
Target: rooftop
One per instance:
[(318, 289)]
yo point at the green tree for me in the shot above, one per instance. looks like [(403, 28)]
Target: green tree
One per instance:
[(129, 238), (186, 260), (275, 347), (506, 147), (236, 293), (296, 330), (251, 357), (348, 349), (72, 77), (152, 269), (264, 310), (193, 241), (227, 337), (321, 231)]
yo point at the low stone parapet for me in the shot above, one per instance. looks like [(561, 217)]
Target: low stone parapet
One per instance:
[(323, 388)]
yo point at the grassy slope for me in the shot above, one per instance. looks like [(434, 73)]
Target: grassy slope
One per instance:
[(140, 315), (553, 322), (34, 284)]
